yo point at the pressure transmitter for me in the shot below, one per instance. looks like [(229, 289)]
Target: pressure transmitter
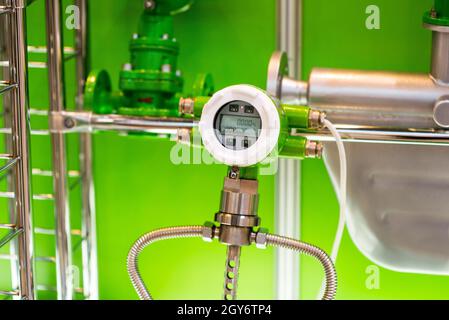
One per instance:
[(241, 126)]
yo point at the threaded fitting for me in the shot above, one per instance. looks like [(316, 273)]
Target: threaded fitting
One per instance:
[(314, 149)]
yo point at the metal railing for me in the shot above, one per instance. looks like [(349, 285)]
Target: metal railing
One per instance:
[(18, 166), (57, 55), (20, 235)]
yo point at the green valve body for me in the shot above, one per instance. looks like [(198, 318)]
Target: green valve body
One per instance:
[(439, 15), (151, 81), (151, 84)]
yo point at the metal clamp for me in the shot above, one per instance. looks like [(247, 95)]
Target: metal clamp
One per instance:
[(76, 121), (67, 121)]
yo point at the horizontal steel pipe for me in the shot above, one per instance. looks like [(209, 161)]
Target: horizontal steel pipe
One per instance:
[(375, 99), (294, 91), (132, 123), (78, 121), (87, 121), (382, 136)]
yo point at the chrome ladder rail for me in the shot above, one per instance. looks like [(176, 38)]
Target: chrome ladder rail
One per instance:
[(20, 234), (88, 228), (55, 63), (19, 229)]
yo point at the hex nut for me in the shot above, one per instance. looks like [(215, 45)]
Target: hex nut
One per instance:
[(314, 149), (149, 4), (69, 123), (261, 238), (209, 231), (316, 119)]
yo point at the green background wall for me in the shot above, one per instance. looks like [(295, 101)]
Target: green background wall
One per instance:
[(138, 189)]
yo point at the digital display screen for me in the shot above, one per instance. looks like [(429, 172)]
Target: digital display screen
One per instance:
[(246, 125), (237, 125)]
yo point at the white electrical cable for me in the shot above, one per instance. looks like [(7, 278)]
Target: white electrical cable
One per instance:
[(342, 192)]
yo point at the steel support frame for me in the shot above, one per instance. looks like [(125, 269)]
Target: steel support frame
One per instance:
[(88, 220), (288, 179), (20, 148), (55, 61)]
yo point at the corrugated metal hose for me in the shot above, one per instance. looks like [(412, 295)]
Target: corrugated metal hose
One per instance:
[(330, 280), (197, 231)]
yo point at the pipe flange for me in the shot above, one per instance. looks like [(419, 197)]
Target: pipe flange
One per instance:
[(237, 220), (277, 69)]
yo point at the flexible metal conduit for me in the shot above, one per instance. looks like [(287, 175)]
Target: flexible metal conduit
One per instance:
[(197, 231), (305, 248), (149, 238)]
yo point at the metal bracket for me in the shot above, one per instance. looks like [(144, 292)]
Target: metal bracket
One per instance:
[(67, 121), (76, 121)]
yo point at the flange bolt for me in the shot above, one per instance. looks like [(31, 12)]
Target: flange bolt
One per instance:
[(186, 106), (69, 123)]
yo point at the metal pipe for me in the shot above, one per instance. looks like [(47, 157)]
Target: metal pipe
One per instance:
[(57, 103), (31, 64), (376, 99), (382, 136), (5, 9), (40, 49), (440, 53), (232, 272), (86, 122), (288, 178), (88, 221), (130, 123), (20, 129), (294, 91), (69, 121), (5, 54), (440, 58), (149, 238)]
